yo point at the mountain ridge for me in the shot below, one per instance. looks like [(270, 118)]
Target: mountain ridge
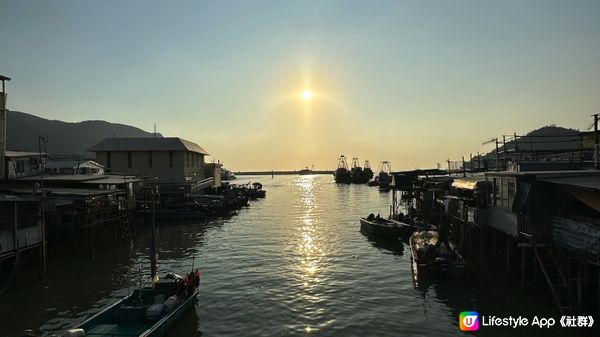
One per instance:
[(74, 138)]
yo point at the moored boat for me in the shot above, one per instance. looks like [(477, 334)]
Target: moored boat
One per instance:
[(428, 259), (384, 178), (305, 171), (342, 175), (379, 228), (147, 312), (407, 229)]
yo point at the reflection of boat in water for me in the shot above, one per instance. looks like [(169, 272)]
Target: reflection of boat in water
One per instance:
[(429, 260), (342, 175)]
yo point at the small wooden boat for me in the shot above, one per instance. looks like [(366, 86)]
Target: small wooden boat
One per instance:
[(147, 312), (380, 228), (427, 259)]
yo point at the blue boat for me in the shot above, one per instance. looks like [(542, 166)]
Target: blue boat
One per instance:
[(147, 312)]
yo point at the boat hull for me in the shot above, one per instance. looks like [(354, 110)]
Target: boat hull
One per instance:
[(380, 229), (427, 262), (113, 322)]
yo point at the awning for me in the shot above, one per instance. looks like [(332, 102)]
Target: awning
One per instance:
[(584, 188)]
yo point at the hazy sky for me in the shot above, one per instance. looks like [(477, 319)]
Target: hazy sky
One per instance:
[(414, 82)]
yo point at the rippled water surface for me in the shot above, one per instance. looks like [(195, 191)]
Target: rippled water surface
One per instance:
[(293, 264)]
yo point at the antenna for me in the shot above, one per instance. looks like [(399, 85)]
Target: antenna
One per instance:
[(154, 130)]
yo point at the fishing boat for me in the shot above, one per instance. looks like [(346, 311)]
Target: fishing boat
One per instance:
[(367, 171), (384, 178), (428, 259), (378, 228), (342, 175), (148, 312)]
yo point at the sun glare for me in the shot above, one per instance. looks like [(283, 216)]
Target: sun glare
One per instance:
[(307, 95)]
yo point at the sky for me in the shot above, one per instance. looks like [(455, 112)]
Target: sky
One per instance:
[(412, 82)]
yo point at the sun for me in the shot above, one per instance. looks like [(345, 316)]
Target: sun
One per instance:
[(307, 95)]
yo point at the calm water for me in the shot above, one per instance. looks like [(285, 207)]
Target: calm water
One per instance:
[(293, 264)]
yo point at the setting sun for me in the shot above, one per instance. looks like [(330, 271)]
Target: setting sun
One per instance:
[(307, 95)]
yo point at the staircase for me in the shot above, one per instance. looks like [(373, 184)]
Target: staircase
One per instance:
[(555, 277)]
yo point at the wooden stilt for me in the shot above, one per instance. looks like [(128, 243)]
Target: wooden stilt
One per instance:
[(481, 251), (493, 248), (534, 268), (523, 269), (16, 243), (508, 253)]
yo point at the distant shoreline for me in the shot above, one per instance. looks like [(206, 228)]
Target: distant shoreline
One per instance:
[(277, 173)]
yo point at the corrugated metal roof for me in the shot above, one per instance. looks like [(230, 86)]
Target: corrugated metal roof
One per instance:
[(147, 144), (72, 164), (81, 177), (16, 154)]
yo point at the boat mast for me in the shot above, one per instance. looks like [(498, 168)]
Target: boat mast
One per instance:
[(153, 274)]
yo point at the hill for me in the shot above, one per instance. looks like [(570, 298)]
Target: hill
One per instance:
[(63, 137), (546, 138)]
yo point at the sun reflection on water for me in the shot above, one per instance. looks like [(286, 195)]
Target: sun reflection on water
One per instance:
[(309, 246)]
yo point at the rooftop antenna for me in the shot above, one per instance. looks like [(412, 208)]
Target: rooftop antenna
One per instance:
[(154, 130)]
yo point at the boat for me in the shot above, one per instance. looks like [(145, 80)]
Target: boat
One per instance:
[(408, 228), (367, 171), (342, 175), (378, 228), (305, 171), (358, 174), (426, 259), (384, 178), (227, 175), (256, 191), (148, 312)]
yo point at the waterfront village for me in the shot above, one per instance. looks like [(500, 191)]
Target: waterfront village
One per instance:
[(525, 208)]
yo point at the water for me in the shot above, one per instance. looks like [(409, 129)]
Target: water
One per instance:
[(293, 264)]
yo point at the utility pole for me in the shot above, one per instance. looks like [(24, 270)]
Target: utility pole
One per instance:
[(516, 149), (3, 97), (596, 164), (497, 155), (504, 151), (42, 149)]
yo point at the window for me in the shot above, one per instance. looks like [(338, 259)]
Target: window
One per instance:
[(511, 192), (149, 158), (494, 192), (108, 159), (20, 167), (170, 158), (504, 193), (129, 159)]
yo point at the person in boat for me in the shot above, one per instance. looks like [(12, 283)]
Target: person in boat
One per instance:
[(443, 233), (371, 217), (378, 216)]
